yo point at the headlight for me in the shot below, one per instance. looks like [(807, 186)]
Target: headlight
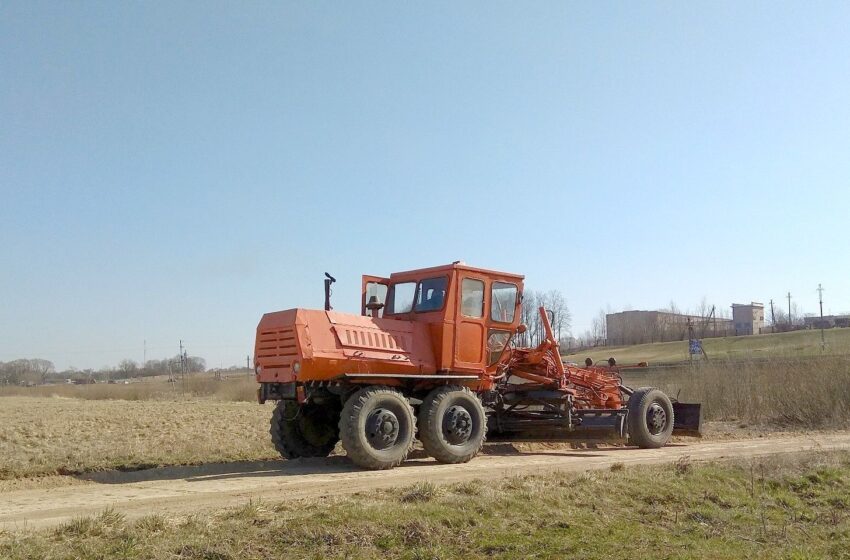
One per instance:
[(296, 367), (258, 370)]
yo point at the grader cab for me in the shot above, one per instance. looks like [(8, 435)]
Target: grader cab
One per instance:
[(433, 356)]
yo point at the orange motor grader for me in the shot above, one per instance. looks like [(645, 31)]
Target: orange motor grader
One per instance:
[(432, 356)]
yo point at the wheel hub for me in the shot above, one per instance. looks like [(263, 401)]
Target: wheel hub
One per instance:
[(457, 425), (382, 428), (656, 419)]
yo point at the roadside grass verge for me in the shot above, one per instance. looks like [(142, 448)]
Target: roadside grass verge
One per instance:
[(783, 507)]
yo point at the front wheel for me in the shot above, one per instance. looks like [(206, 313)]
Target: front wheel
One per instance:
[(650, 418), (453, 425), (376, 427)]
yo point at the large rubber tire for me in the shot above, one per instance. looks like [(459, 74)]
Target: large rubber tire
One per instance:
[(377, 427), (452, 424), (308, 430), (650, 418)]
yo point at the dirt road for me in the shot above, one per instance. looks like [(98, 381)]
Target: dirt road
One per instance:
[(181, 490)]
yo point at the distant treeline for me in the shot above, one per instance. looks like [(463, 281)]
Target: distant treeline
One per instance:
[(38, 371)]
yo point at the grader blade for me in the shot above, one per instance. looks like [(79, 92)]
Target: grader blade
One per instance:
[(687, 419)]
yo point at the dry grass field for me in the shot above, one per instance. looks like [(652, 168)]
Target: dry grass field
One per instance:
[(241, 388), (795, 394), (57, 435), (73, 429)]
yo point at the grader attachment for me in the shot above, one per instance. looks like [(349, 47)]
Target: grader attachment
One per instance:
[(687, 419)]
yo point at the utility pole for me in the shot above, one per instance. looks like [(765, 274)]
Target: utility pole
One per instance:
[(820, 299), (772, 316), (789, 311), (248, 364), (185, 382)]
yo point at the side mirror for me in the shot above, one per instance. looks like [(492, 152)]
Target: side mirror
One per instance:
[(521, 329)]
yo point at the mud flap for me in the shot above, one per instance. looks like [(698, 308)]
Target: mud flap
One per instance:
[(687, 419)]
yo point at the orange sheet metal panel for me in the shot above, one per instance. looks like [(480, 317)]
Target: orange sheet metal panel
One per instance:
[(327, 344)]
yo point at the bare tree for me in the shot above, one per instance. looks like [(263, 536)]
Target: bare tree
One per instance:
[(25, 371), (554, 301), (599, 329), (127, 368), (41, 368), (560, 316)]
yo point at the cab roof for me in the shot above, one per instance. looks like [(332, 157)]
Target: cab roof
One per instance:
[(457, 265)]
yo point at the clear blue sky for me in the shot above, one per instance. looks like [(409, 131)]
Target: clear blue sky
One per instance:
[(174, 170)]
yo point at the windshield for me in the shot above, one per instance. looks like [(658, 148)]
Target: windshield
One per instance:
[(427, 295), (504, 302), (431, 294)]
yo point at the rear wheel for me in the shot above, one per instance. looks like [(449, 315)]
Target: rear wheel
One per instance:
[(650, 418), (453, 425), (304, 430), (376, 427)]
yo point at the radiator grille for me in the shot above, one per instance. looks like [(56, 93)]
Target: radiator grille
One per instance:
[(278, 347)]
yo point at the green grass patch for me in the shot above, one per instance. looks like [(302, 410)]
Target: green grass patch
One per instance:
[(772, 508)]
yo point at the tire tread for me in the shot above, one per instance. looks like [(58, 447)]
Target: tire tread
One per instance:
[(638, 434), (348, 428), (429, 434), (286, 440)]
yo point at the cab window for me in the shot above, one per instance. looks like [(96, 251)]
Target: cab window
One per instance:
[(472, 298), (431, 294), (503, 304), (400, 297)]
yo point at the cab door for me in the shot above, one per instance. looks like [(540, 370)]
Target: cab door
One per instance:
[(471, 325), (502, 319)]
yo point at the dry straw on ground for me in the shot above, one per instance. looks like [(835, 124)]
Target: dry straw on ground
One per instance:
[(58, 435)]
